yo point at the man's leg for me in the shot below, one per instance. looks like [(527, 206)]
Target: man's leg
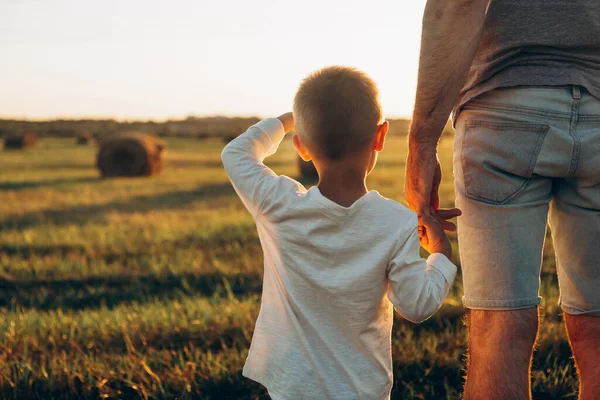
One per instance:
[(575, 222), (584, 337), (501, 251), (500, 346), (504, 196)]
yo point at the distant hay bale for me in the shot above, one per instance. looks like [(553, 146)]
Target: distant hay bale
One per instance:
[(85, 138), (100, 137), (130, 155), (229, 138), (20, 141), (307, 169)]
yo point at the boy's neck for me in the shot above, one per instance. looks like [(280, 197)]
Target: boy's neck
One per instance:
[(342, 186)]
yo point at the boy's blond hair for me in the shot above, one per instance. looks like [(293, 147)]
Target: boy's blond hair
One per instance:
[(336, 111)]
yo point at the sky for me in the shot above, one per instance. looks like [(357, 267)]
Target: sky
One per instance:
[(146, 59)]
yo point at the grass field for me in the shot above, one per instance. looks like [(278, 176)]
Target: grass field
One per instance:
[(149, 288)]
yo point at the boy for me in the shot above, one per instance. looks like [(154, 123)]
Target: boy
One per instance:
[(337, 257)]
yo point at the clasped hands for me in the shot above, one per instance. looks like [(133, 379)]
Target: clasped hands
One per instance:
[(423, 178)]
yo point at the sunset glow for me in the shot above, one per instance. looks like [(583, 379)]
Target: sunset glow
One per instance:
[(148, 59)]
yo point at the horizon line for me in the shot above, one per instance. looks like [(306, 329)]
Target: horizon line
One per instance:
[(146, 119)]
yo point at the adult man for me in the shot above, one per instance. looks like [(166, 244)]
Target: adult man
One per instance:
[(523, 78)]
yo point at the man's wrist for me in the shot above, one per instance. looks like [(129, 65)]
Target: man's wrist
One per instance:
[(422, 145), (421, 137)]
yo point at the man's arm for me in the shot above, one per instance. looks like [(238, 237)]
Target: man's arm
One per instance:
[(451, 33)]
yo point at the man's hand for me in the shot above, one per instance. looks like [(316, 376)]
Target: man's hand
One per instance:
[(423, 178), (287, 120)]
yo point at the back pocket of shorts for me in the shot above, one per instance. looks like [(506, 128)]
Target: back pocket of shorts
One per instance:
[(498, 158)]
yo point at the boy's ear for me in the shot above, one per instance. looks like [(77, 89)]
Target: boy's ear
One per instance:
[(300, 148), (382, 130)]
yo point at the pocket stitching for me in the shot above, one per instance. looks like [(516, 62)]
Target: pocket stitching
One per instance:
[(523, 126), (485, 105), (541, 130)]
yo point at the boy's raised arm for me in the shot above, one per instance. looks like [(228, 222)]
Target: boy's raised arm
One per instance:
[(243, 160)]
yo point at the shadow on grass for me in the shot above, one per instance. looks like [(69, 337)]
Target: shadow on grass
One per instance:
[(415, 380), (204, 339), (233, 386), (49, 166), (83, 214), (111, 291), (93, 292), (240, 235), (8, 185)]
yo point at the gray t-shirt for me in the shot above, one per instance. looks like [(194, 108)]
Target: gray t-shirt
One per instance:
[(537, 43)]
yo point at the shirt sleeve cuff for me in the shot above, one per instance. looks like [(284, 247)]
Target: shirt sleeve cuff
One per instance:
[(444, 265), (274, 129)]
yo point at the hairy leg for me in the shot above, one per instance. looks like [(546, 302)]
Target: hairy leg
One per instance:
[(584, 336), (500, 346)]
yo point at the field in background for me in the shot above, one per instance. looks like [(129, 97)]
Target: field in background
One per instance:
[(214, 127), (149, 288)]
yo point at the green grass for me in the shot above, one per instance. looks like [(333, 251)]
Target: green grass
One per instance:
[(149, 288)]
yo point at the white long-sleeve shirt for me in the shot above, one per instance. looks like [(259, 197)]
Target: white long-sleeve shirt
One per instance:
[(331, 276)]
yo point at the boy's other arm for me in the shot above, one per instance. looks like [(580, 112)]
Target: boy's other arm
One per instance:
[(418, 287), (243, 160), (451, 34)]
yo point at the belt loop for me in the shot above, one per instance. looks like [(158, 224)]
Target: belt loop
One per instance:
[(576, 92)]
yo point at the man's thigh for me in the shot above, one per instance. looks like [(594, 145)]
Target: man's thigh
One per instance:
[(575, 223), (504, 201)]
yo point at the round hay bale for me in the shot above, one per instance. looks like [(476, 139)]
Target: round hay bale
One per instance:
[(84, 139), (130, 155), (307, 169), (20, 141)]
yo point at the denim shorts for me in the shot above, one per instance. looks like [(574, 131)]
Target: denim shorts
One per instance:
[(526, 157)]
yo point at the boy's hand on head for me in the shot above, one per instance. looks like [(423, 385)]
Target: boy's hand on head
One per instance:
[(433, 238), (287, 120)]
